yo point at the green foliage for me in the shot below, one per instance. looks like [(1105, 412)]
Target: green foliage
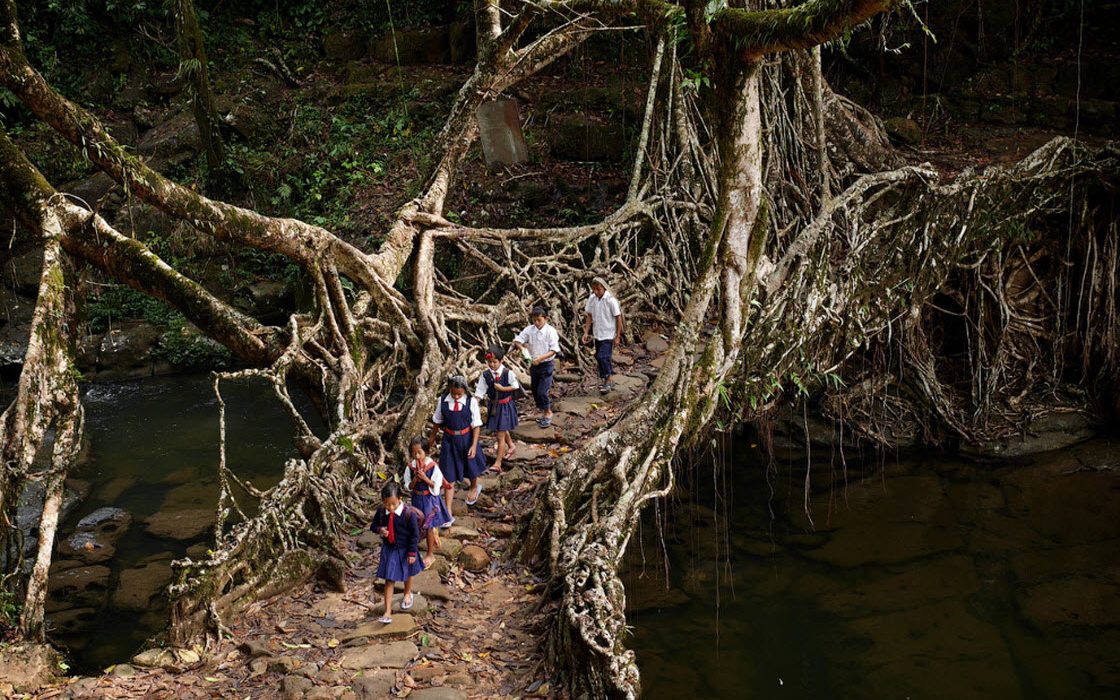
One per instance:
[(183, 346), (116, 302), (9, 609)]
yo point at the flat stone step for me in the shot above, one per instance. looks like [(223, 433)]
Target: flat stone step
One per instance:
[(401, 626), (384, 655), (531, 432), (579, 405), (427, 582)]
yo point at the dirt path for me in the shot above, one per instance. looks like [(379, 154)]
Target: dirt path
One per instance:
[(473, 632)]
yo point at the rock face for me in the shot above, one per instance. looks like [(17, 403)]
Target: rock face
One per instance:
[(94, 539), (181, 524), (81, 586), (904, 130), (138, 586), (1051, 431)]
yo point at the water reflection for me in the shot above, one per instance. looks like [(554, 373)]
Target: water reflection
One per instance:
[(926, 578), (153, 454)]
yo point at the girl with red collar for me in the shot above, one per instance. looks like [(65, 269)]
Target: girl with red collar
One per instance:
[(400, 527)]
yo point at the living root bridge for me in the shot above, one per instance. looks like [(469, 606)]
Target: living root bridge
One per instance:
[(730, 232)]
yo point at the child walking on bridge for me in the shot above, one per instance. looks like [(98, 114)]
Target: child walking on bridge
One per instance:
[(400, 528), (425, 482), (499, 386), (542, 343)]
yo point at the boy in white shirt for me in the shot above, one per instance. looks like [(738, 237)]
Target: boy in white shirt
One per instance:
[(604, 325), (542, 343)]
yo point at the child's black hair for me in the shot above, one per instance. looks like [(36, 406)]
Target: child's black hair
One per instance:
[(495, 352), (390, 490), (539, 310), (418, 440)]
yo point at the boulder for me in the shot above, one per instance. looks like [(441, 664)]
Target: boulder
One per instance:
[(21, 274), (171, 659), (413, 47), (389, 655), (128, 346), (903, 130), (171, 142), (655, 343), (181, 524), (374, 685), (368, 540), (81, 586), (138, 586), (1051, 431), (94, 539), (26, 668), (450, 546), (474, 558)]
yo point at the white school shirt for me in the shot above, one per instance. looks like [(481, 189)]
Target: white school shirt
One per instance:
[(539, 340), (480, 388), (476, 416), (603, 314), (436, 477)]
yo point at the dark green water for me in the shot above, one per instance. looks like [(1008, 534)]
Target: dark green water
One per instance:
[(154, 447), (927, 577)]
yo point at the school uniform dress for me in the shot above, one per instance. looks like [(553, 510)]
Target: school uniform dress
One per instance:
[(405, 525), (540, 341), (427, 499), (604, 327), (457, 418), (501, 409)]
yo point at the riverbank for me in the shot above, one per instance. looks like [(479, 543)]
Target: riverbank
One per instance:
[(473, 632)]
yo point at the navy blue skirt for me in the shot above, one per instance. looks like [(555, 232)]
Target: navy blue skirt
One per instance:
[(453, 460), (433, 507), (394, 565), (501, 416)]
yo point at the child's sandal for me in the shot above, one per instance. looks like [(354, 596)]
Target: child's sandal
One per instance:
[(385, 620)]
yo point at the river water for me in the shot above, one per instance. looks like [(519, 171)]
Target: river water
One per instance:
[(154, 449), (923, 577)]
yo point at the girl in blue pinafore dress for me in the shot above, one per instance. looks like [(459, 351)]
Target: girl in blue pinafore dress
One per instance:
[(499, 386), (400, 527), (425, 481), (458, 419)]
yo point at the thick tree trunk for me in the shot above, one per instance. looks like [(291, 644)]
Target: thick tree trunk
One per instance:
[(194, 70)]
